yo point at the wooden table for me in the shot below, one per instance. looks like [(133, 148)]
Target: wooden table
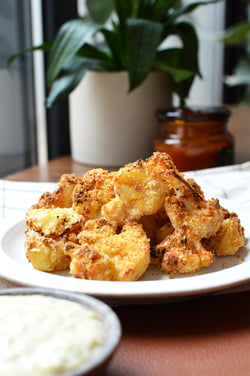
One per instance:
[(204, 336)]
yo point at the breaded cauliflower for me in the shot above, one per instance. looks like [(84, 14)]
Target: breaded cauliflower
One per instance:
[(61, 197), (46, 254), (103, 224), (54, 222), (229, 238), (95, 231), (204, 217), (94, 189), (195, 187), (182, 252), (110, 253), (140, 189), (187, 206), (152, 223), (164, 231)]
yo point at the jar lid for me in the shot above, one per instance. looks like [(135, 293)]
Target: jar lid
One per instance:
[(193, 113)]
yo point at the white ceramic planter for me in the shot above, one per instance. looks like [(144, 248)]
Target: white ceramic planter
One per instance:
[(108, 125)]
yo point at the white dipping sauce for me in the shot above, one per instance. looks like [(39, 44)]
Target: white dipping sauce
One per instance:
[(41, 335)]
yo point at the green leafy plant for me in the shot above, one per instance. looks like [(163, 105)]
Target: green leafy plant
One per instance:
[(131, 41), (238, 35)]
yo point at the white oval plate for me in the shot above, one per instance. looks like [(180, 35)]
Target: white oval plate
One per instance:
[(154, 286)]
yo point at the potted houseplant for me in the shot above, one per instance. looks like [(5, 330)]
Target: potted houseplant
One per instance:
[(107, 68)]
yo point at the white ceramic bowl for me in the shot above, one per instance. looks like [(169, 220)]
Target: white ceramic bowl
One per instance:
[(110, 321)]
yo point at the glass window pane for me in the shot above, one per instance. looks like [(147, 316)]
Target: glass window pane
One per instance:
[(17, 120)]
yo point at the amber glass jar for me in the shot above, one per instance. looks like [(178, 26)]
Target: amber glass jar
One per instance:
[(195, 138)]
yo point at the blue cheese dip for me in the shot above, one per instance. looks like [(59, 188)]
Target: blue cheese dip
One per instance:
[(42, 335)]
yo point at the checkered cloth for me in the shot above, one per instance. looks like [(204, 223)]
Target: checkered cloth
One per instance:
[(230, 183), (17, 197)]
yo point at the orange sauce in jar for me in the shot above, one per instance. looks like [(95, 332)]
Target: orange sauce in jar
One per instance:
[(195, 138)]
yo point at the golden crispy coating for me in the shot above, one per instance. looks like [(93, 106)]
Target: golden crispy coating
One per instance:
[(95, 231), (161, 217), (54, 222), (204, 217), (195, 187), (161, 234), (149, 225), (46, 254), (109, 254), (182, 252), (60, 198), (105, 223), (93, 191), (229, 238), (157, 226), (140, 189), (184, 187), (187, 206), (164, 231)]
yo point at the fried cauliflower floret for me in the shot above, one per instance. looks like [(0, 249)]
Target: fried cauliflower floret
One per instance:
[(140, 189), (182, 252), (93, 191), (61, 197), (184, 187), (195, 187), (204, 217), (161, 234), (164, 231), (95, 231), (152, 223), (149, 225), (46, 254), (103, 224), (187, 206), (106, 253), (54, 222), (229, 238)]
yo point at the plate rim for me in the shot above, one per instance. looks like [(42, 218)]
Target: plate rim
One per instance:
[(152, 289)]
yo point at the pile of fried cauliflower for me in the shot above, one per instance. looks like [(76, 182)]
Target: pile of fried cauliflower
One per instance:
[(112, 225)]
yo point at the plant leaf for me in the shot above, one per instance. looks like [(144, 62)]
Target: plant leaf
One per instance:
[(169, 56), (169, 61), (43, 47), (63, 86), (124, 11), (236, 35), (190, 8), (100, 10), (190, 45), (188, 55), (247, 45), (142, 39), (160, 8), (70, 38), (70, 76), (118, 42), (241, 74), (116, 45), (92, 52)]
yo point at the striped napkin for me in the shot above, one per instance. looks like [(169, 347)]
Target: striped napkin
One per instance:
[(17, 197)]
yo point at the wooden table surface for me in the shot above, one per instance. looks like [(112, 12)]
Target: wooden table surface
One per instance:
[(207, 336)]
